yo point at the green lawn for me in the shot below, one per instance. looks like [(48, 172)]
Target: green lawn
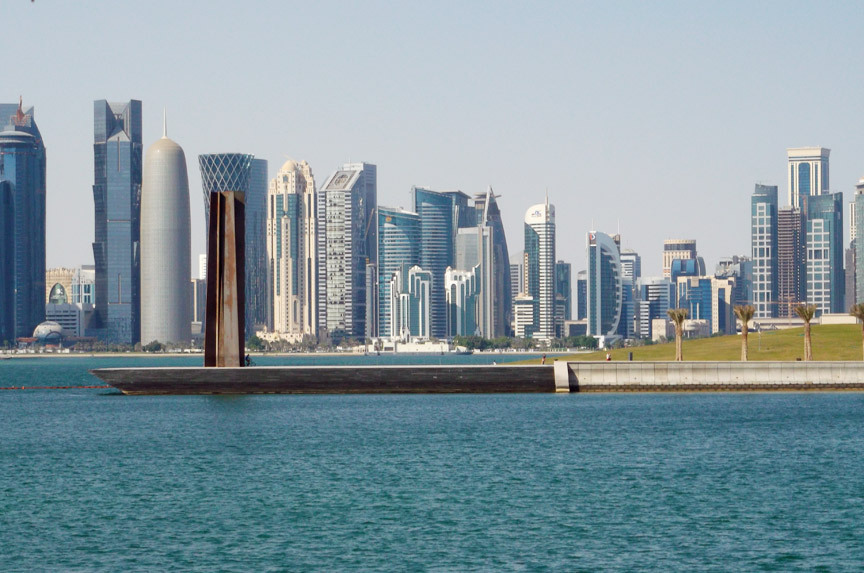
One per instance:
[(830, 342)]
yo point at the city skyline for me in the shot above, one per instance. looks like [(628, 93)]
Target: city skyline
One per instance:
[(582, 134)]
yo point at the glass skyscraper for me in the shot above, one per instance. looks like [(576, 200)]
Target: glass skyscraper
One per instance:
[(564, 288), (826, 281), (605, 285), (7, 264), (398, 246), (489, 215), (22, 224), (437, 234), (117, 153), (242, 172)]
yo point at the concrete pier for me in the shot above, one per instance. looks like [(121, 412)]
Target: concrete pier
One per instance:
[(710, 376), (331, 380), (562, 377)]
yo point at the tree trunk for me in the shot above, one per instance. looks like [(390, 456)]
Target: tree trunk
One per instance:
[(808, 350), (679, 352), (744, 348)]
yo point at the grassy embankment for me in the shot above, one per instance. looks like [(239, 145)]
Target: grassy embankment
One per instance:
[(830, 342)]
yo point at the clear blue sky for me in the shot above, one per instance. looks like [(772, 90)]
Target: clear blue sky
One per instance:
[(660, 115)]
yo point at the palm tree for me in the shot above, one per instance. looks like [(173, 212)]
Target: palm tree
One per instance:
[(678, 316), (806, 312), (857, 311), (744, 314)]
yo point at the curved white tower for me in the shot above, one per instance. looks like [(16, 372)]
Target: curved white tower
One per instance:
[(166, 305)]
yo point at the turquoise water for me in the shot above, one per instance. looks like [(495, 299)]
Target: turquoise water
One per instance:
[(93, 480)]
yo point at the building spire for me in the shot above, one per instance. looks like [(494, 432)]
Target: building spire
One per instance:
[(164, 124)]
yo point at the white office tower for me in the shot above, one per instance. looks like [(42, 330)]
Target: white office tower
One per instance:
[(166, 267), (292, 255), (540, 267), (808, 173)]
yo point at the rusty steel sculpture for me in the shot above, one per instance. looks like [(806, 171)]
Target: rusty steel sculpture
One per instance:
[(224, 336)]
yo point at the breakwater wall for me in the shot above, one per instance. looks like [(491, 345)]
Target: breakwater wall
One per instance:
[(427, 379), (561, 377), (708, 376)]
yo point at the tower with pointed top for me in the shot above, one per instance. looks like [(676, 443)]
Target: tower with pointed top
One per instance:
[(22, 222), (166, 268), (117, 153)]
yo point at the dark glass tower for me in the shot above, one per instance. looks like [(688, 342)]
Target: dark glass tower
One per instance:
[(22, 174), (242, 172), (117, 197), (7, 264), (825, 278), (563, 288), (398, 250), (437, 237)]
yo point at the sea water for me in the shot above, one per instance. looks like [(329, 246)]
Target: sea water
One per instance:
[(94, 480)]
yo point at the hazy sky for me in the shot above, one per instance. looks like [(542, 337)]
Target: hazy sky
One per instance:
[(657, 115)]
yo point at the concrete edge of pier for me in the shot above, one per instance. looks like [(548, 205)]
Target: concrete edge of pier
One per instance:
[(561, 377)]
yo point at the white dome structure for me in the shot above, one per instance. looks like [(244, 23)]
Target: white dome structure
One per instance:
[(166, 269), (49, 331)]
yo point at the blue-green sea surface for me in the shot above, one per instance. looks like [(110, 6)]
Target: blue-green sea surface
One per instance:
[(93, 480)]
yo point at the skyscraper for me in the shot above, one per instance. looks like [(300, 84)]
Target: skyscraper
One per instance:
[(7, 263), (517, 283), (605, 286), (631, 265), (489, 215), (763, 240), (462, 288), (540, 263), (22, 174), (791, 260), (581, 295), (438, 226), (410, 304), (398, 245), (166, 252), (683, 249), (474, 254), (858, 242), (117, 152), (656, 296), (808, 173), (347, 243), (826, 282), (564, 288), (292, 252), (710, 299), (242, 172)]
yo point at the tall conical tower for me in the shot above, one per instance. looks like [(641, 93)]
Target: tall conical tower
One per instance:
[(166, 305)]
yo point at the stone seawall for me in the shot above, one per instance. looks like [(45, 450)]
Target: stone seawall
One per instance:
[(709, 376)]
